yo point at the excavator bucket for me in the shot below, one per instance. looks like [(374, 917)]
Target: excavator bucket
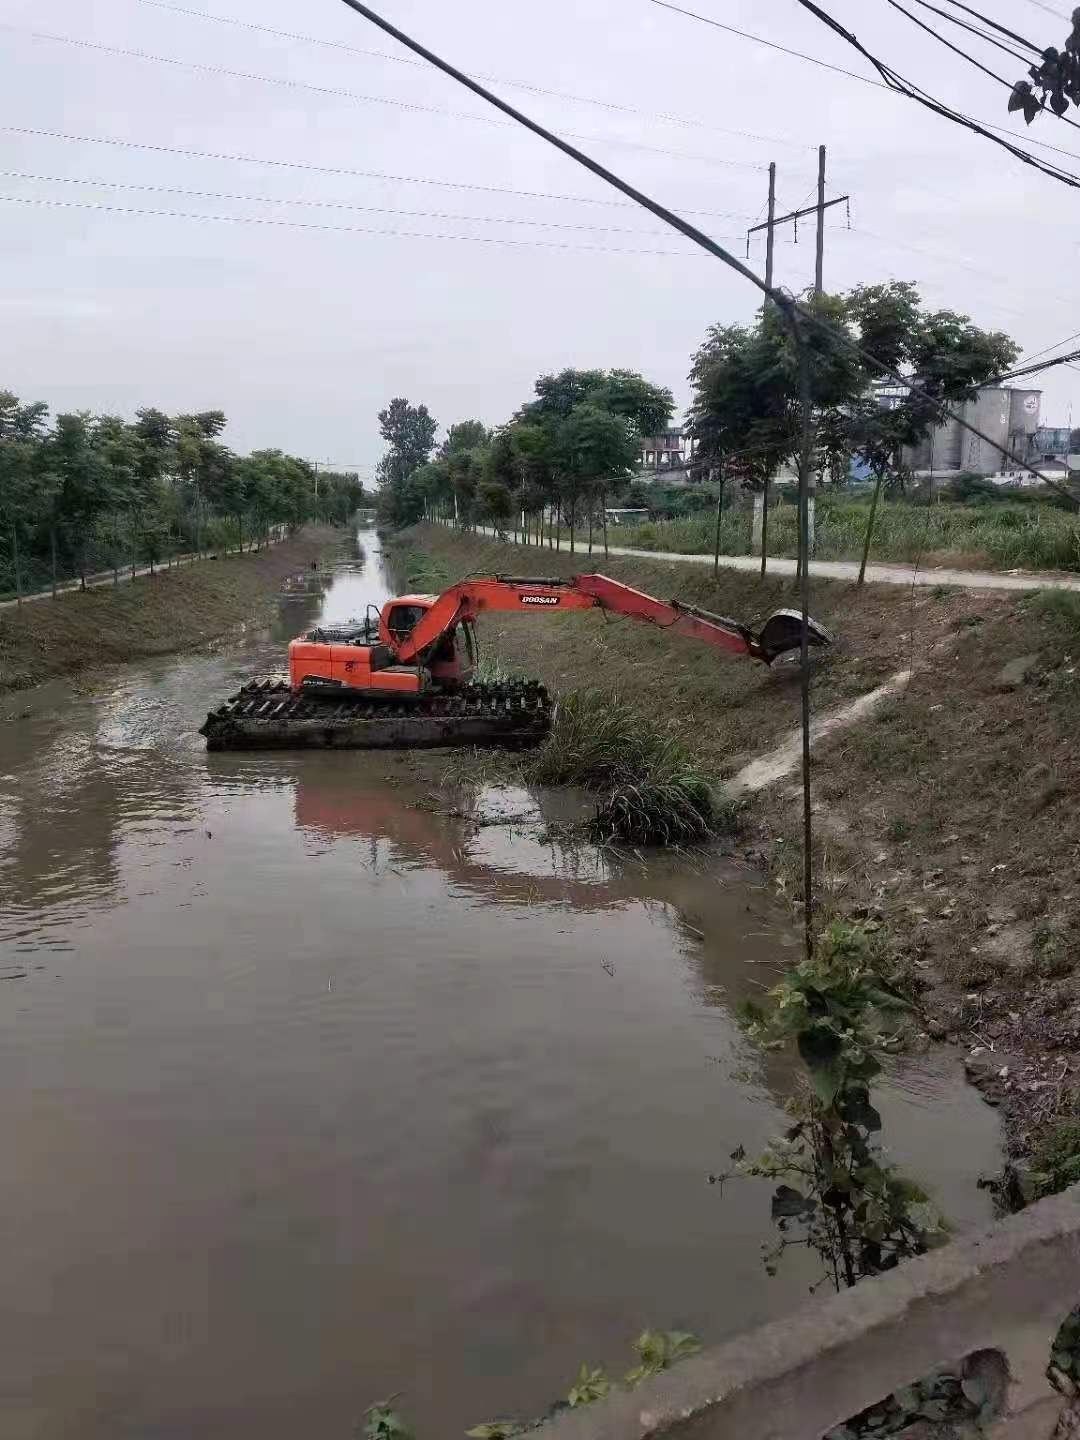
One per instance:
[(781, 635)]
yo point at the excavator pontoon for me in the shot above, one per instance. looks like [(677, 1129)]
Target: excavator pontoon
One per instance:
[(404, 677)]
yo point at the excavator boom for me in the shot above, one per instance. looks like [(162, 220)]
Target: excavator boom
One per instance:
[(408, 680), (470, 598)]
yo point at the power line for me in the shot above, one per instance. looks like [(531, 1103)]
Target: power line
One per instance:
[(49, 203), (798, 315), (339, 93), (994, 25), (663, 116), (965, 56), (316, 204), (1034, 369), (1058, 14), (982, 34), (902, 86), (1047, 348), (233, 157), (840, 70)]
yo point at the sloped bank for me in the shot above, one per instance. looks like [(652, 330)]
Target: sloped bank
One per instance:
[(151, 615), (945, 815)]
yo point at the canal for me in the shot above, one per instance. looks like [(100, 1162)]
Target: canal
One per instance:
[(315, 1089)]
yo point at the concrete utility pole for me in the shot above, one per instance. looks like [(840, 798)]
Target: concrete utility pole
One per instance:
[(770, 225), (770, 254), (819, 270)]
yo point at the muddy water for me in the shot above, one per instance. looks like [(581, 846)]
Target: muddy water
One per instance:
[(310, 1093)]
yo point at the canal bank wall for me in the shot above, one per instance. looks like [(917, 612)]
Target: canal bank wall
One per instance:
[(986, 1309), (173, 610), (942, 805)]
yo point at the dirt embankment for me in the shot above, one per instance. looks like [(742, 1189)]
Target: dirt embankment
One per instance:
[(948, 814), (151, 615)]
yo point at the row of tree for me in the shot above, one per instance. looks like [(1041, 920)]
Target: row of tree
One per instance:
[(577, 443), (562, 454), (80, 492)]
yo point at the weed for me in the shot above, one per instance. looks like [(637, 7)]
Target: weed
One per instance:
[(1062, 606), (899, 830), (1031, 533), (382, 1423), (651, 791), (1055, 1162)]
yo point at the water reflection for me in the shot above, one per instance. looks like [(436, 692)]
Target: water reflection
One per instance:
[(335, 1093)]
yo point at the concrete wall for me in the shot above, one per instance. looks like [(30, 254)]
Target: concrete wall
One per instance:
[(1006, 1290)]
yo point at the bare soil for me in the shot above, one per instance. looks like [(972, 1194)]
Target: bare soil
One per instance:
[(948, 816), (150, 615)]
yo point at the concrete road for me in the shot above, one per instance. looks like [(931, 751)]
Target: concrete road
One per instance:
[(849, 570)]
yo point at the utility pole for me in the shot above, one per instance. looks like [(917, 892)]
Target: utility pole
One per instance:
[(770, 226), (819, 271), (770, 253)]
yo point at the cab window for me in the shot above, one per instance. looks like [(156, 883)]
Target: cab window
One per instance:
[(403, 618)]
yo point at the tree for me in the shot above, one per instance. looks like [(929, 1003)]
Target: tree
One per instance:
[(633, 405), (409, 431), (595, 450), (25, 488)]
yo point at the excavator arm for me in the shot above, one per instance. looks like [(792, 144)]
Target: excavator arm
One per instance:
[(471, 598)]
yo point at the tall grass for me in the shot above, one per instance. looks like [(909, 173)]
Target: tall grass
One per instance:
[(649, 790), (1007, 535)]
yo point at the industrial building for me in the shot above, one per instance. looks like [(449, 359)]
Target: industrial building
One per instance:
[(1007, 417)]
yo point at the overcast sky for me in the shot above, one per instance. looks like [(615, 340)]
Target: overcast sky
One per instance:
[(301, 334)]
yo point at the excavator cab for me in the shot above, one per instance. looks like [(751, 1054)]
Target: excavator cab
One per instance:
[(451, 660), (360, 658)]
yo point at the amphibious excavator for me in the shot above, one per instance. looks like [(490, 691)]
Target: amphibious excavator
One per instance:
[(405, 676)]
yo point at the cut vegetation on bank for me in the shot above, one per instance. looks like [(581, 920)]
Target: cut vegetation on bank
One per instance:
[(945, 817)]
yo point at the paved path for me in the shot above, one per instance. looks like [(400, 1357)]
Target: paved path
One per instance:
[(106, 577), (849, 570)]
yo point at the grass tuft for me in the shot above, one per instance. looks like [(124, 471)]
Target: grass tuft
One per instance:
[(651, 792)]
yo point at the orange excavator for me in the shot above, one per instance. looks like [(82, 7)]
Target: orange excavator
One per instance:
[(406, 676)]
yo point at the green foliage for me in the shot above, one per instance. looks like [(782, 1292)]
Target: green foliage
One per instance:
[(1061, 607), (97, 491), (837, 1192), (745, 407), (658, 1350), (590, 1386), (1009, 533), (383, 1423), (1055, 1162), (650, 791), (409, 431)]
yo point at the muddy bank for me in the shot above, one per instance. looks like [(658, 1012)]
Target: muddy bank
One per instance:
[(150, 615), (945, 814)]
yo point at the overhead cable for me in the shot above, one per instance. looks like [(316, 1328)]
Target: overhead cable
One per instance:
[(1008, 84), (315, 204), (665, 117), (902, 86), (233, 157), (797, 314), (49, 203), (840, 70), (338, 93), (982, 34)]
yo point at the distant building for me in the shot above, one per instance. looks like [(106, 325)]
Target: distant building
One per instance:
[(670, 450), (1053, 442), (1009, 418)]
